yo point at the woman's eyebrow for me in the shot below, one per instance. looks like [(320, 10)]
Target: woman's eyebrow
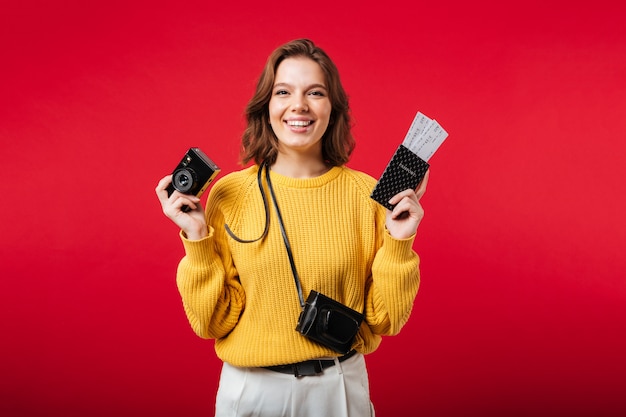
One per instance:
[(312, 86)]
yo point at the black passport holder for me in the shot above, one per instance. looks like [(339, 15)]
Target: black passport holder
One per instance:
[(404, 171)]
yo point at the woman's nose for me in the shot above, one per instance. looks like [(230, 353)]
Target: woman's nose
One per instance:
[(299, 104)]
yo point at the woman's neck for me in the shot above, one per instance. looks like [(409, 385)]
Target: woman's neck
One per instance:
[(299, 167)]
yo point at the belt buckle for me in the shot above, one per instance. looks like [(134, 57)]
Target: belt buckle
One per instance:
[(308, 368)]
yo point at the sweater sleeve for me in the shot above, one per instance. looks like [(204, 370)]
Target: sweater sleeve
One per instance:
[(207, 280), (393, 285)]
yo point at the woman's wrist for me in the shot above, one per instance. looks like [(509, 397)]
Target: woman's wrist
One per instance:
[(198, 234)]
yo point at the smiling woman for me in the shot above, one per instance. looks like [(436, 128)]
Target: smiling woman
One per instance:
[(299, 115), (260, 142), (339, 242)]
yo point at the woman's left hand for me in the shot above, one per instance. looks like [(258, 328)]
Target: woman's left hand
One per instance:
[(403, 221)]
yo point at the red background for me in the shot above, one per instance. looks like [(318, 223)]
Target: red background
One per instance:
[(522, 309)]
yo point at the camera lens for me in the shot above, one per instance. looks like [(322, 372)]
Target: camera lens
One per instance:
[(184, 180)]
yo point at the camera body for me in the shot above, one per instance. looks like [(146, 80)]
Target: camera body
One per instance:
[(329, 322), (193, 174)]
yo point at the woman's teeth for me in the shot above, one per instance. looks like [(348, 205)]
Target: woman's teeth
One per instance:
[(299, 123)]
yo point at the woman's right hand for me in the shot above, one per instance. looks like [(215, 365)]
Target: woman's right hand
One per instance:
[(192, 223)]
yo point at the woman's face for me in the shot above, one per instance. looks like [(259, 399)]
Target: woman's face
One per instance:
[(300, 108)]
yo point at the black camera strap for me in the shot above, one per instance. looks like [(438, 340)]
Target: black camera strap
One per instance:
[(267, 214), (336, 325), (292, 263)]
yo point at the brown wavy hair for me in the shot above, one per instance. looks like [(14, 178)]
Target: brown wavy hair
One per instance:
[(259, 143)]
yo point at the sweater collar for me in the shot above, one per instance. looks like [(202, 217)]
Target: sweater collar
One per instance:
[(314, 182)]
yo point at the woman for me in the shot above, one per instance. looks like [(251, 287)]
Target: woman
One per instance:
[(237, 281)]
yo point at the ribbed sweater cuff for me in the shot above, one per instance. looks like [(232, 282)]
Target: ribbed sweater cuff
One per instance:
[(198, 251), (399, 249)]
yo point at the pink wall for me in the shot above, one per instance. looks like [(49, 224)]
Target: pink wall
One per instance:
[(522, 309)]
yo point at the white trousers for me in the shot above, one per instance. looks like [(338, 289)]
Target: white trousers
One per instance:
[(340, 391)]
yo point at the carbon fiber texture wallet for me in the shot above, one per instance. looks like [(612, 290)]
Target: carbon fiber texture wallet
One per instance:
[(404, 171)]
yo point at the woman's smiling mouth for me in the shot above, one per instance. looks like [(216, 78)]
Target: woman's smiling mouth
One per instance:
[(299, 123)]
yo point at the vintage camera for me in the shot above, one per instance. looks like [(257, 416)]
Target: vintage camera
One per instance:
[(193, 174), (329, 322)]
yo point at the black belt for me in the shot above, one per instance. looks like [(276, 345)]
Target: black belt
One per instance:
[(309, 368)]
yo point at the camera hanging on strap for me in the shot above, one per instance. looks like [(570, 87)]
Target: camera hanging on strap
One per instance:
[(323, 320)]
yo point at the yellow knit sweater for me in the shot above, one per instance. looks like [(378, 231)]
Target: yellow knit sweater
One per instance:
[(244, 295)]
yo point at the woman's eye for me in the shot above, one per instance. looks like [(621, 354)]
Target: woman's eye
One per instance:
[(280, 92), (317, 93)]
